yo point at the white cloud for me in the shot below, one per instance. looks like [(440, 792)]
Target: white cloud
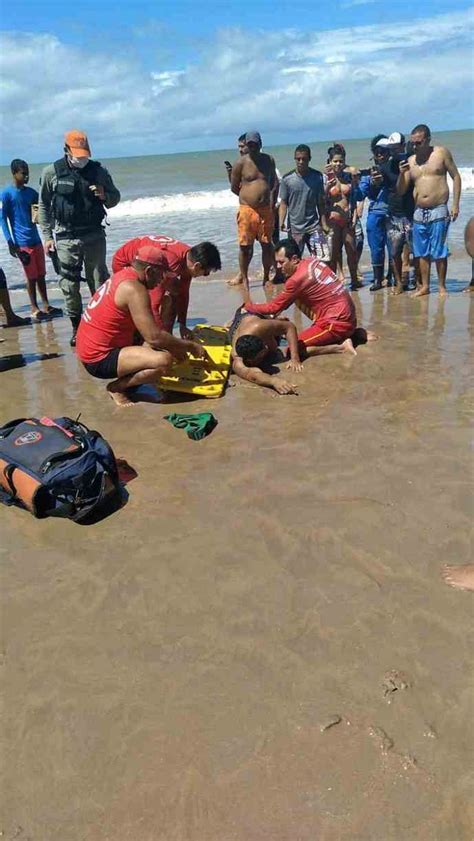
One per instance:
[(350, 82)]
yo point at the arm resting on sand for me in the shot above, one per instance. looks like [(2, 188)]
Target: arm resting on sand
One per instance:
[(289, 330), (283, 327), (256, 376)]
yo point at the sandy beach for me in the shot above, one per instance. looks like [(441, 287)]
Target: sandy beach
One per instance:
[(259, 646)]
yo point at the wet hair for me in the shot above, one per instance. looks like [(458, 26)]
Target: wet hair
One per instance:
[(290, 247), (248, 347), (303, 148), (336, 149), (207, 255), (422, 127), (18, 165), (241, 139)]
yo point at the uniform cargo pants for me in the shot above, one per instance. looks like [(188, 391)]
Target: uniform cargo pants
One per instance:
[(73, 253)]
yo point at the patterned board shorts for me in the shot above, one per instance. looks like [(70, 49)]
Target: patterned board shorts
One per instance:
[(399, 233), (317, 242)]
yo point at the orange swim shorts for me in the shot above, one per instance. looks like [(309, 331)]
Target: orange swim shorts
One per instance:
[(255, 224)]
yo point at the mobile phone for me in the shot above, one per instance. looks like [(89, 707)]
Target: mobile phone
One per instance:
[(228, 164)]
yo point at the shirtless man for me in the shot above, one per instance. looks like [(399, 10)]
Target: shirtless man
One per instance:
[(255, 182), (254, 342), (427, 169), (119, 308), (317, 292), (242, 150)]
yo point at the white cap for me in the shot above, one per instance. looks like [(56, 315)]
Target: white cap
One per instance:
[(395, 139), (384, 142)]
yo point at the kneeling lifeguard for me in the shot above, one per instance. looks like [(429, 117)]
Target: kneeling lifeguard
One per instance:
[(317, 292), (120, 308)]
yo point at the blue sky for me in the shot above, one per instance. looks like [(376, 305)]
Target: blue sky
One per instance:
[(144, 77)]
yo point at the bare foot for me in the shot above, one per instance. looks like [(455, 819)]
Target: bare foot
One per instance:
[(120, 398), (397, 290), (235, 281), (348, 347), (443, 292), (420, 292), (460, 576), (469, 288), (372, 337)]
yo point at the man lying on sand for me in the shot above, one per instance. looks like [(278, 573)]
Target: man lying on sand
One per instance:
[(254, 341), (317, 292), (119, 308), (170, 300)]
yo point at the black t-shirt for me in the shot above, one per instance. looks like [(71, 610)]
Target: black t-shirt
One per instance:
[(397, 205)]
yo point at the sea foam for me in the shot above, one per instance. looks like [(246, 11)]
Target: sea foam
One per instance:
[(202, 200), (205, 200)]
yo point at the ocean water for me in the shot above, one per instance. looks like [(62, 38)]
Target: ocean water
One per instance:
[(187, 195)]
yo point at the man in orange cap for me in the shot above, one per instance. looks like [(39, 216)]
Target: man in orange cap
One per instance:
[(74, 194), (115, 312)]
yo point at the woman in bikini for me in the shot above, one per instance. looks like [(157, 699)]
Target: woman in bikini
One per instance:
[(341, 210)]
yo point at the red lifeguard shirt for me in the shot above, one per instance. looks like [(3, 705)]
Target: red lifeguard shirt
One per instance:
[(178, 273), (317, 292), (104, 326)]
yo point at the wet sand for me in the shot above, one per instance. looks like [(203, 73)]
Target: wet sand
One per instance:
[(259, 646)]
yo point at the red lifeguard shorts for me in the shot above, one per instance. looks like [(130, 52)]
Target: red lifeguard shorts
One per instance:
[(326, 333)]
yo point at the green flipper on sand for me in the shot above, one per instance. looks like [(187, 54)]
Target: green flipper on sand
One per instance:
[(197, 426)]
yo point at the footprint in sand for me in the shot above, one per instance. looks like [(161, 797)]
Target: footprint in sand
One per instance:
[(383, 740), (394, 681)]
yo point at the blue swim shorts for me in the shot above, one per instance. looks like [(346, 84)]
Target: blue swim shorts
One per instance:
[(430, 232)]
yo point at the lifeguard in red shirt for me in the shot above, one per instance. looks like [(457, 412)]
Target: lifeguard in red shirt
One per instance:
[(119, 308), (170, 300), (316, 291)]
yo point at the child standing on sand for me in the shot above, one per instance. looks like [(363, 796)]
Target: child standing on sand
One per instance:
[(19, 204)]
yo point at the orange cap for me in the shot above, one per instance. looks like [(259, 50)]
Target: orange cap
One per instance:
[(78, 143), (152, 255)]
